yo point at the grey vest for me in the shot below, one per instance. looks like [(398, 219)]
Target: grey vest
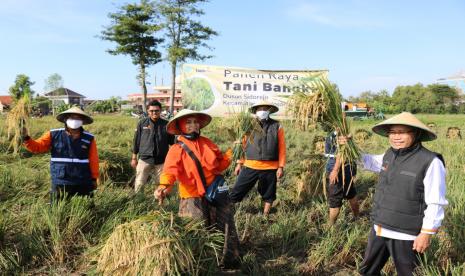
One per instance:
[(399, 202), (264, 145)]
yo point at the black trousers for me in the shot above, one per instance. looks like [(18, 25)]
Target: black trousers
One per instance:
[(246, 181), (378, 251)]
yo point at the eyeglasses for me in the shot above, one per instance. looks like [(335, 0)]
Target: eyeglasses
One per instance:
[(392, 133), (154, 111)]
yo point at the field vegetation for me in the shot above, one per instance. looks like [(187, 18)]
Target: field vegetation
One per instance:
[(93, 236)]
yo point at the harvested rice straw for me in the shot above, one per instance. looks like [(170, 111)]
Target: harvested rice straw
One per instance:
[(244, 125), (323, 105), (310, 181), (160, 244), (16, 120)]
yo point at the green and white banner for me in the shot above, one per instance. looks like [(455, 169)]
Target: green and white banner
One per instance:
[(221, 91)]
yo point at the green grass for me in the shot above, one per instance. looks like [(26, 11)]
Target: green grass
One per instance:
[(295, 240)]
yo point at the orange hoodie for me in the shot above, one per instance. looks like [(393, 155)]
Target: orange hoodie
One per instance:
[(180, 166)]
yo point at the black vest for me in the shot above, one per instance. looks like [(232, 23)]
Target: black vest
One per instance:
[(264, 145), (69, 164), (399, 202), (154, 140)]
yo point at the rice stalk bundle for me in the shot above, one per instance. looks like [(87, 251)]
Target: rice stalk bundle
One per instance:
[(244, 126), (318, 145), (160, 244), (323, 105), (310, 181), (16, 120)]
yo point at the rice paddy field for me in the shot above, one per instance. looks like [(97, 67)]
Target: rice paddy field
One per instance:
[(120, 233)]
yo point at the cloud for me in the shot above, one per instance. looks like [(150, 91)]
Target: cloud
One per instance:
[(348, 15)]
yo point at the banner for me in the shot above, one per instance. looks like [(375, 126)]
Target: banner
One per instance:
[(221, 91)]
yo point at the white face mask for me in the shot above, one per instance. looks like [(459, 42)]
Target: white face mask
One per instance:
[(73, 123), (262, 114)]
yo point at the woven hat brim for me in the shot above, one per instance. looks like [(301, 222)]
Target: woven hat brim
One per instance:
[(86, 119), (204, 120), (273, 108), (406, 119)]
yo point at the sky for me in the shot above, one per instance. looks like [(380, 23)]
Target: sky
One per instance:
[(365, 45)]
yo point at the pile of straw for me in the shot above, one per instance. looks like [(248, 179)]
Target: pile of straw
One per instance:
[(453, 133), (361, 135), (160, 244)]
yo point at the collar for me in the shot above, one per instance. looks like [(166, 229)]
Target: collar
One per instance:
[(405, 151)]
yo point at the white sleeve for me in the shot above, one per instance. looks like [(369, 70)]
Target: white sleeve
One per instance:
[(372, 162), (435, 196)]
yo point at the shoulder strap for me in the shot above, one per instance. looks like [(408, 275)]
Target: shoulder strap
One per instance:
[(196, 161)]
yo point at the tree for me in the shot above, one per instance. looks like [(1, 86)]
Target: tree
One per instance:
[(53, 82), (22, 87), (444, 94), (133, 28), (185, 36)]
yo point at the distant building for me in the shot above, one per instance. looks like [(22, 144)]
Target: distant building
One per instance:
[(5, 102), (161, 94), (457, 81), (65, 96), (350, 106)]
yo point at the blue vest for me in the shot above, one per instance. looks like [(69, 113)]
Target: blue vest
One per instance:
[(69, 164)]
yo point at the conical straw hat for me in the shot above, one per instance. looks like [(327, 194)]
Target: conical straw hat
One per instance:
[(273, 108), (407, 119), (86, 119), (172, 127)]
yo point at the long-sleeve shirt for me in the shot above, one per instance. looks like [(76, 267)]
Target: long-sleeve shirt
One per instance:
[(435, 197), (180, 166), (44, 143), (265, 164), (151, 141)]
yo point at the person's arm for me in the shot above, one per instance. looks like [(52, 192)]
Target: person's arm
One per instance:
[(94, 162), (281, 152), (435, 199), (135, 146), (371, 162), (241, 161), (40, 145), (172, 168), (333, 175), (225, 159)]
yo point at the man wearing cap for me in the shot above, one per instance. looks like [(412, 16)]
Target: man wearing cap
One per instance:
[(409, 199), (265, 156), (74, 168), (151, 143)]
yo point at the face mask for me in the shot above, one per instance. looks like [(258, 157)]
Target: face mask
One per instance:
[(73, 123), (262, 114), (192, 136)]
